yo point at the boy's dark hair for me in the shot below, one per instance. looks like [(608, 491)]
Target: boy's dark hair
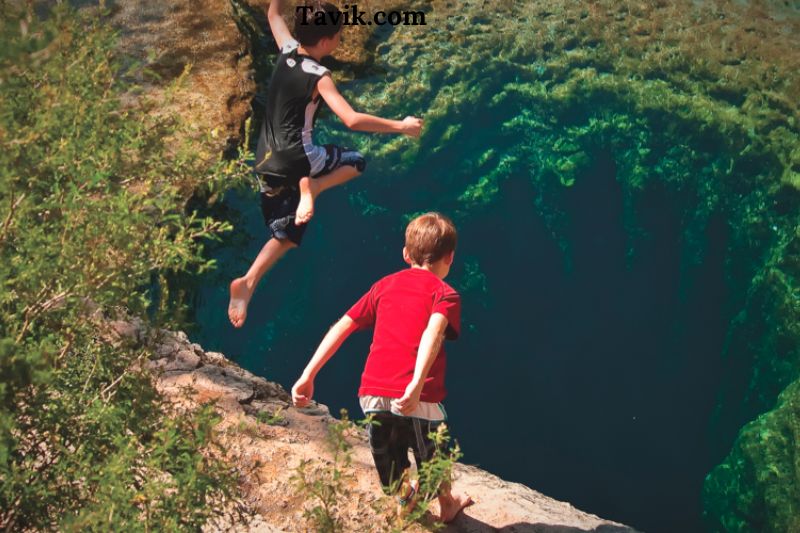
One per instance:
[(430, 237), (307, 31)]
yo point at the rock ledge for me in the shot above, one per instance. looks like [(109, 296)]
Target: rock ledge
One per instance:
[(266, 438)]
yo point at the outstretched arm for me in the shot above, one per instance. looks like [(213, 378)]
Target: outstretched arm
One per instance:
[(354, 120), (303, 390), (429, 346), (276, 23)]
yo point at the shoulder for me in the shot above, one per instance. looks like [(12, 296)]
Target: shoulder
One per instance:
[(390, 282), (310, 66), (290, 46), (447, 302), (447, 291), (397, 274), (389, 278), (379, 285)]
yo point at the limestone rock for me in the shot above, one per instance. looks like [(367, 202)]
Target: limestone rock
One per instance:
[(267, 453), (128, 329), (181, 360), (214, 381), (520, 508), (214, 358)]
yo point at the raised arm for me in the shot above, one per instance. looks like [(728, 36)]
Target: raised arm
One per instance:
[(276, 23), (354, 120), (303, 390), (429, 346)]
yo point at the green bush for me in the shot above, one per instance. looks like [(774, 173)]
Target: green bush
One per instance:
[(93, 189)]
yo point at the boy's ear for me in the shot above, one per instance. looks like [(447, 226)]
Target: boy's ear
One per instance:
[(329, 42), (406, 257), (448, 259)]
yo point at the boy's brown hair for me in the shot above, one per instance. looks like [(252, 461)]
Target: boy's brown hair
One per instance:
[(430, 237), (307, 31)]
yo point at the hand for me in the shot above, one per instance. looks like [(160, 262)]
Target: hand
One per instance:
[(412, 126), (410, 399), (302, 392)]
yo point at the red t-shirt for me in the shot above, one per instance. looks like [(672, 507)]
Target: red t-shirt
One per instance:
[(400, 306)]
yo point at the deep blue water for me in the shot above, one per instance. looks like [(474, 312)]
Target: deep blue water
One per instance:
[(588, 374)]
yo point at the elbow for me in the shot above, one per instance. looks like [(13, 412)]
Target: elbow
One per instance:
[(352, 121), (346, 325)]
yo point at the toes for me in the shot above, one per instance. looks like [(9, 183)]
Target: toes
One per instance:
[(302, 218), (236, 317)]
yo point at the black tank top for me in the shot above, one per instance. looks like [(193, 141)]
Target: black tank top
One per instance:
[(285, 147)]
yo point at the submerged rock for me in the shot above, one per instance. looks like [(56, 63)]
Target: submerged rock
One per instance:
[(757, 487), (198, 38)]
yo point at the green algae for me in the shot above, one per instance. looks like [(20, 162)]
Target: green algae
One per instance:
[(757, 487), (361, 202), (473, 281)]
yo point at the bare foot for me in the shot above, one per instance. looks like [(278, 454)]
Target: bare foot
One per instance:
[(308, 193), (451, 505), (240, 297)]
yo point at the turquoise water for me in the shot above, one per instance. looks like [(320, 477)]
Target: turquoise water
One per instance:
[(593, 262)]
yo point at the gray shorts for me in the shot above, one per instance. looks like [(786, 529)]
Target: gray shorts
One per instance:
[(280, 196)]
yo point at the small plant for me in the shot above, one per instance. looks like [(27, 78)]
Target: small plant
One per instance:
[(272, 419), (276, 418), (433, 476), (326, 485)]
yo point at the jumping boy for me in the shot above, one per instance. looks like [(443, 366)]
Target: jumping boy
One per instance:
[(412, 312), (292, 169)]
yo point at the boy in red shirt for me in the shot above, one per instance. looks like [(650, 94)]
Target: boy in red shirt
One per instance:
[(412, 312)]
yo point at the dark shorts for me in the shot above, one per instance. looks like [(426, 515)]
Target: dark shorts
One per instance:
[(280, 195), (390, 441)]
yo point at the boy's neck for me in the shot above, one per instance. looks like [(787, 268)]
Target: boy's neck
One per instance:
[(438, 269), (311, 52)]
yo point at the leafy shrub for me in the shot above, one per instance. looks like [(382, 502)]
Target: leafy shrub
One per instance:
[(93, 185)]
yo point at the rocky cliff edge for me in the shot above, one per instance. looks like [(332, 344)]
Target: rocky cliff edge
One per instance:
[(265, 439)]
